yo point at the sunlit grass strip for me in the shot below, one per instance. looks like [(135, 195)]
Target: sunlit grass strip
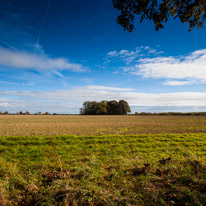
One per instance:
[(103, 170)]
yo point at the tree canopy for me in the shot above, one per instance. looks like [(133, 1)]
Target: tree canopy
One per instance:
[(105, 107), (159, 11)]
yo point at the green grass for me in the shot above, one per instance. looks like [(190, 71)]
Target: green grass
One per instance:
[(103, 170)]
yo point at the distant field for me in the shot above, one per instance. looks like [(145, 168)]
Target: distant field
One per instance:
[(22, 125)]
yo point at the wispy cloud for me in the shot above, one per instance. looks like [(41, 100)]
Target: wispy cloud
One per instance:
[(69, 101), (15, 28), (59, 74), (124, 55), (11, 83), (25, 60), (130, 56), (87, 80)]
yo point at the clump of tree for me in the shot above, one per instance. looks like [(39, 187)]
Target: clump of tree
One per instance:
[(27, 113), (105, 108)]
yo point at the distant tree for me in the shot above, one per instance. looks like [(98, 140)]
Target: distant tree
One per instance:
[(46, 113), (20, 112), (27, 113), (6, 112), (159, 11)]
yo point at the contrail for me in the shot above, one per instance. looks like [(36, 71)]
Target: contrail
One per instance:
[(42, 25)]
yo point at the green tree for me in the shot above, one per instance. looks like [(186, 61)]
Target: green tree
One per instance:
[(102, 108), (159, 11), (123, 107), (89, 108), (112, 107)]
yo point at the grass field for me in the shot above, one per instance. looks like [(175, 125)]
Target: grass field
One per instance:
[(107, 166)]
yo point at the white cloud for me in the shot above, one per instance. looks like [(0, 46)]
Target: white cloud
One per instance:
[(103, 88), (112, 53), (4, 104), (125, 53), (69, 101), (178, 83), (190, 68), (26, 60)]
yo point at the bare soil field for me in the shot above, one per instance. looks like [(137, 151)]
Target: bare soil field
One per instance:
[(44, 125)]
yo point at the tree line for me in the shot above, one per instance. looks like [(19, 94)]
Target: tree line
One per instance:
[(101, 109), (171, 114), (105, 108), (25, 113)]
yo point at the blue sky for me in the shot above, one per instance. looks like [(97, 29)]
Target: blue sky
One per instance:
[(54, 55)]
